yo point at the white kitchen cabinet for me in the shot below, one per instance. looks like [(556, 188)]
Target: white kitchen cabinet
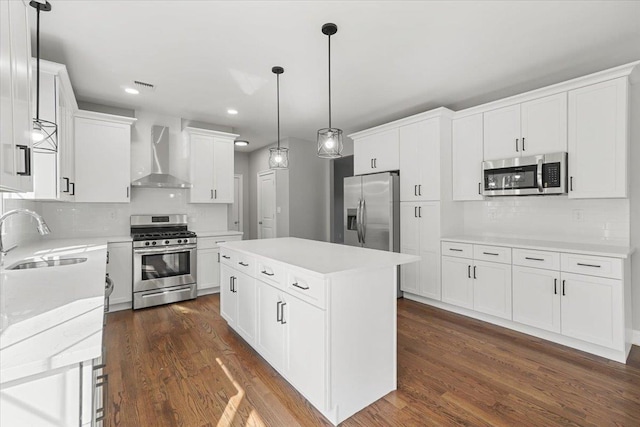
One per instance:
[(120, 271), (270, 336), (467, 157), (534, 127), (377, 152), (592, 309), (208, 262), (228, 298), (15, 98), (420, 235), (457, 283), (420, 161), (245, 289), (536, 297), (103, 158), (599, 140), (492, 288), (211, 168)]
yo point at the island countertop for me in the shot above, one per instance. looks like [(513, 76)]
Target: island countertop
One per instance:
[(320, 258), (51, 316)]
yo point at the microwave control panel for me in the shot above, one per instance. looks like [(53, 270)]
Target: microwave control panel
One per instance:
[(551, 175)]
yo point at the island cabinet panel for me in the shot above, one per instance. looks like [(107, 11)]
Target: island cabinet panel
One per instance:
[(331, 334)]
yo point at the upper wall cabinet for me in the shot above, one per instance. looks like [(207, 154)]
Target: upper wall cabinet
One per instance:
[(467, 158), (211, 169), (15, 98), (598, 140), (376, 152), (103, 158), (420, 161), (534, 127)]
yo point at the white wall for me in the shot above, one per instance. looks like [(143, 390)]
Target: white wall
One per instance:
[(241, 167), (634, 170)]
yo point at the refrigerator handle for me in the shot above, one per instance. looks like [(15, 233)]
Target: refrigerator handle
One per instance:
[(363, 227), (358, 220)]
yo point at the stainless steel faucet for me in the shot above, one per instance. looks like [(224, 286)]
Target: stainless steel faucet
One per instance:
[(42, 226)]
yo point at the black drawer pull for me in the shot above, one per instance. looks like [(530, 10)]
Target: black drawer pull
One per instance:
[(589, 265), (534, 259), (226, 257), (555, 286), (455, 250), (490, 253), (298, 286), (267, 273), (243, 264)]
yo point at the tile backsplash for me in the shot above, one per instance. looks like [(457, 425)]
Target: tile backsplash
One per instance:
[(555, 218)]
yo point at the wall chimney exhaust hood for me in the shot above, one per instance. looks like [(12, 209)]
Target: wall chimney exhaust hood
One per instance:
[(160, 177)]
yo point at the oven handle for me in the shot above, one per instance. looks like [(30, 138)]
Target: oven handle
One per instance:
[(164, 249), (539, 175)]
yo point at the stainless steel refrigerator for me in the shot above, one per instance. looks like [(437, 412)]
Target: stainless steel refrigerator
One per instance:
[(372, 211)]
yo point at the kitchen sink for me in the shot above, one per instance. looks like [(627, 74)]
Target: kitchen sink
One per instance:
[(45, 262)]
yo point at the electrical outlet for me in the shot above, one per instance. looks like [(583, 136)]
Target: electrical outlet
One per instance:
[(577, 215), (492, 215), (278, 209)]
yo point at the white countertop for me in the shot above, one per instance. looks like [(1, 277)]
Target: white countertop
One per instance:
[(219, 233), (322, 258), (547, 245), (51, 316)]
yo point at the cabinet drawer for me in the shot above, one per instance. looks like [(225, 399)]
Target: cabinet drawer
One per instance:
[(305, 287), (536, 259), (460, 250), (228, 257), (213, 242), (492, 253), (592, 265), (246, 264), (271, 272)]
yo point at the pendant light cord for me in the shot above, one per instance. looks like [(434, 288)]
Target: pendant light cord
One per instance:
[(278, 96), (38, 64), (329, 82)]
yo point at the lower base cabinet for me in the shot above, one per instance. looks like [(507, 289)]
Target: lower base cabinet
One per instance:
[(120, 271), (536, 297), (208, 261), (492, 288)]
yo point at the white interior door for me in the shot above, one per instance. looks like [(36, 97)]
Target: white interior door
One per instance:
[(266, 205), (235, 209)]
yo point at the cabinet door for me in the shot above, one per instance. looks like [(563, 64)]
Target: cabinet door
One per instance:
[(103, 161), (592, 309), (492, 288), (202, 169), (246, 294), (429, 235), (467, 158), (502, 133), (306, 353), (270, 332), (66, 149), (208, 268), (228, 298), (120, 271), (598, 140), (429, 266), (377, 153), (8, 177), (49, 400), (409, 244), (223, 170), (544, 125), (420, 161), (536, 297), (457, 284)]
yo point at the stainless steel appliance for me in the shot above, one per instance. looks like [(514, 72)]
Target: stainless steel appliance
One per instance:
[(372, 211), (164, 260), (526, 176)]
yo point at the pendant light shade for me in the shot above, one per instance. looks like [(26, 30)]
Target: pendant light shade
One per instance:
[(44, 135), (329, 139), (278, 156)]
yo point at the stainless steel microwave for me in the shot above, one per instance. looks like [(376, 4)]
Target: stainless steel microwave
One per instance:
[(526, 176)]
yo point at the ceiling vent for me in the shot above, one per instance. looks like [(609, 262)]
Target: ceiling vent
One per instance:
[(143, 86)]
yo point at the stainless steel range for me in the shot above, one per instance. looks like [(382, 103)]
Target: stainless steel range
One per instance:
[(164, 260)]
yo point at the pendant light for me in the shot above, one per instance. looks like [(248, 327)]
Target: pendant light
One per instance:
[(329, 139), (44, 135), (279, 156)]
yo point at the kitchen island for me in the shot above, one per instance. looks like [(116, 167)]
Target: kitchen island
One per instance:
[(322, 314)]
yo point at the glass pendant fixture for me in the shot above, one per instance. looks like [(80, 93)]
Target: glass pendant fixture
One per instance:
[(329, 139), (278, 156), (44, 135)]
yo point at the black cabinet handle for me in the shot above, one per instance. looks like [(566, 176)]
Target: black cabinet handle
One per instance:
[(533, 259), (226, 257), (67, 181), (282, 313), (127, 192), (479, 192), (474, 272), (563, 294), (415, 190), (589, 265), (455, 250), (218, 256), (73, 189), (523, 144), (231, 283), (300, 287), (415, 212), (469, 271), (490, 253), (243, 264), (278, 318), (419, 211), (571, 184), (371, 163), (517, 139), (555, 286), (26, 150), (107, 260), (419, 189), (267, 273), (215, 194)]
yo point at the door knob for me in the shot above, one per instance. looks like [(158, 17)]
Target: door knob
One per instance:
[(259, 222)]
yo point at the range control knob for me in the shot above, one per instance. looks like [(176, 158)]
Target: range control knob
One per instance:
[(146, 243), (166, 242), (179, 241), (153, 243), (185, 241)]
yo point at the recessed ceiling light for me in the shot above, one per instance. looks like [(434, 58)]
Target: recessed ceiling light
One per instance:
[(241, 143), (132, 91), (232, 111)]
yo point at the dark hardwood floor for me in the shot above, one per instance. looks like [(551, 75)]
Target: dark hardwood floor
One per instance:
[(180, 365)]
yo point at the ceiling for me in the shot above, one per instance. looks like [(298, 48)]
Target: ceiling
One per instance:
[(390, 59)]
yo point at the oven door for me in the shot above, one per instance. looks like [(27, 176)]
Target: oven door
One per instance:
[(513, 177), (161, 267)]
